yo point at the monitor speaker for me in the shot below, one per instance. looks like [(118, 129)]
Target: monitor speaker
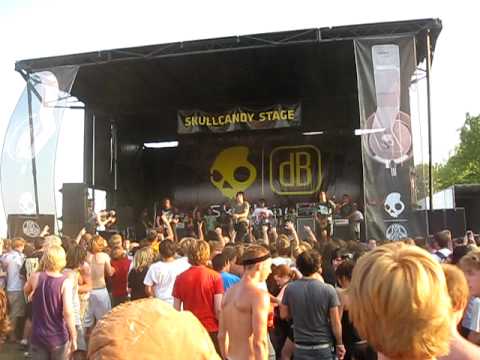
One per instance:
[(301, 223)]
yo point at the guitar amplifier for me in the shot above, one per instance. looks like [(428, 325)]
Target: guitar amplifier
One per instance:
[(306, 209), (301, 222)]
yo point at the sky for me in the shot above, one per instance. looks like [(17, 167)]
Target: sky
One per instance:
[(42, 28)]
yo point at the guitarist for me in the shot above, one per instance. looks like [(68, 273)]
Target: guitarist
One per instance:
[(324, 216), (241, 211)]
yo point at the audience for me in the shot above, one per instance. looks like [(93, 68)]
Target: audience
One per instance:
[(221, 264), (99, 300), (470, 264), (399, 303), (457, 286), (12, 262), (161, 275), (200, 289), (326, 300), (118, 282), (141, 262), (54, 335)]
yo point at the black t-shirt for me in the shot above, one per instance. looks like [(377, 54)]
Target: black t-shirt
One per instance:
[(135, 282), (346, 210), (30, 265)]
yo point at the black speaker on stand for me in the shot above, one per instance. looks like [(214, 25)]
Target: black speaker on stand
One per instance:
[(74, 207), (301, 223)]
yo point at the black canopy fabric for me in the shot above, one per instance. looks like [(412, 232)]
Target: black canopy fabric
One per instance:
[(145, 78), (141, 90)]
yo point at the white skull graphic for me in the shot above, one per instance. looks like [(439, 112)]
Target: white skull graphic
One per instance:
[(396, 232), (26, 203), (393, 205)]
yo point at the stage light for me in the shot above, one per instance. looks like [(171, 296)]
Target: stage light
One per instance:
[(310, 133), (161, 144), (368, 131)]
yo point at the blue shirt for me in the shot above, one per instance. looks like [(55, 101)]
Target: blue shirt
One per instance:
[(229, 280)]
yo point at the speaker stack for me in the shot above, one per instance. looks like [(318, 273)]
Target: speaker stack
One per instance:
[(74, 207), (305, 217)]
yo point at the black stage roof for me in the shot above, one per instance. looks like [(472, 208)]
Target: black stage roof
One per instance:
[(151, 83), (417, 27)]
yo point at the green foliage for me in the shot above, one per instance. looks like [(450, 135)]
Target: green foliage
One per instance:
[(464, 166), (421, 180)]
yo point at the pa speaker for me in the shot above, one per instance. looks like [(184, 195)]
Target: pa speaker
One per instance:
[(74, 207)]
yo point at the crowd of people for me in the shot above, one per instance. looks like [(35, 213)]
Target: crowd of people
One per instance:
[(217, 295)]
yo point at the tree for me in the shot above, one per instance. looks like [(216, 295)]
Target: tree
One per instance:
[(463, 167), (421, 180)]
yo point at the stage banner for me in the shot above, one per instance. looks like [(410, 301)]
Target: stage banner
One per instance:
[(284, 171), (384, 70), (239, 118), (29, 227), (29, 151)]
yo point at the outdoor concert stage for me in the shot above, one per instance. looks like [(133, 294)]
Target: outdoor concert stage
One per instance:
[(276, 115)]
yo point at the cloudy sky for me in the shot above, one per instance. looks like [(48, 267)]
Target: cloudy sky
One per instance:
[(31, 29)]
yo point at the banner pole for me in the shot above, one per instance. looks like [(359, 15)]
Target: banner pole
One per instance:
[(32, 145), (93, 162), (429, 117)]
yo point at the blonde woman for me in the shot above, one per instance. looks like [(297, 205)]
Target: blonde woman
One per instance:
[(141, 262), (399, 303), (53, 332), (99, 301)]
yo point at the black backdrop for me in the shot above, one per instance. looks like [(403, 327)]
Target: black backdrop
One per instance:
[(320, 76)]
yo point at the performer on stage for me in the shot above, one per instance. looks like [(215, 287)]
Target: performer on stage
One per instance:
[(143, 224), (241, 211), (345, 208), (262, 215), (166, 212), (324, 216)]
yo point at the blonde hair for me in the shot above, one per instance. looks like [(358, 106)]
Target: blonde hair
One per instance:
[(116, 240), (283, 245), (471, 261), (457, 287), (5, 327), (97, 244), (52, 240), (199, 253), (54, 258), (400, 303), (183, 247), (18, 242), (304, 246), (143, 258)]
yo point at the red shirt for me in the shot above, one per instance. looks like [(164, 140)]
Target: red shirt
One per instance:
[(119, 279), (196, 288)]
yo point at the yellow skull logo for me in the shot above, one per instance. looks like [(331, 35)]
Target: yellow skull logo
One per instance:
[(231, 171)]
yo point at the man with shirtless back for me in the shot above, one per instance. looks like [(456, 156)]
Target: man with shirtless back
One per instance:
[(243, 319)]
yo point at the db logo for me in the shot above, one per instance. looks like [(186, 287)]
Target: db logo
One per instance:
[(295, 170)]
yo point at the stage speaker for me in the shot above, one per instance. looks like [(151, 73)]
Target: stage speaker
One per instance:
[(29, 226), (301, 223), (451, 219), (440, 219), (74, 207)]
